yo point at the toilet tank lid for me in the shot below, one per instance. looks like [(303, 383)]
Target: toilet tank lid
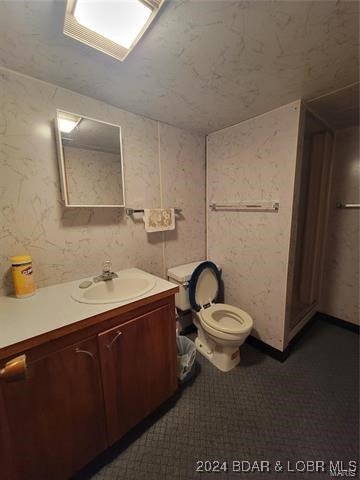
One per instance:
[(182, 273)]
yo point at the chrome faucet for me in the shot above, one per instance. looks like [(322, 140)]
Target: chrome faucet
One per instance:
[(107, 274)]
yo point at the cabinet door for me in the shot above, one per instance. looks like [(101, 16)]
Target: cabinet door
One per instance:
[(138, 362), (55, 416), (7, 471)]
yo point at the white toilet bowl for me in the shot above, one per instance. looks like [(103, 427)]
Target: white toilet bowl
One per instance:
[(222, 329)]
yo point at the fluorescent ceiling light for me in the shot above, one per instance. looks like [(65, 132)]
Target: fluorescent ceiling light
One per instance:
[(118, 20), (68, 122), (110, 26), (66, 126)]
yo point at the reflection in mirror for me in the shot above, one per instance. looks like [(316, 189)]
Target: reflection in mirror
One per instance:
[(90, 159)]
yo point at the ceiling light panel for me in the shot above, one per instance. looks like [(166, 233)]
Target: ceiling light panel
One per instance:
[(111, 26), (67, 122), (118, 20)]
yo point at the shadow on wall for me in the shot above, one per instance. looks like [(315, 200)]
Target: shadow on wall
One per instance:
[(7, 282), (101, 216), (173, 235), (333, 247)]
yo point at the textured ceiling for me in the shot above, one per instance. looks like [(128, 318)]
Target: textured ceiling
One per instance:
[(203, 65), (339, 109)]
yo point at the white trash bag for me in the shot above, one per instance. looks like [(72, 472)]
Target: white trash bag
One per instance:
[(186, 353)]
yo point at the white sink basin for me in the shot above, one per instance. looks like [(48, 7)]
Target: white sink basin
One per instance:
[(127, 286)]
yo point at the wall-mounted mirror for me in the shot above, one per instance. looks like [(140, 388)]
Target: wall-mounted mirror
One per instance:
[(90, 161)]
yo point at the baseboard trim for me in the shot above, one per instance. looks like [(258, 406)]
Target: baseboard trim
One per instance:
[(278, 354), (268, 349), (281, 356), (339, 323)]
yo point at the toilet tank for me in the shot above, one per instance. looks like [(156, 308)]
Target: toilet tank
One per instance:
[(181, 275)]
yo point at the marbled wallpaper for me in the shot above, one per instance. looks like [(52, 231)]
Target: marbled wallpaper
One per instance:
[(254, 160), (161, 165), (180, 169), (340, 287), (93, 177)]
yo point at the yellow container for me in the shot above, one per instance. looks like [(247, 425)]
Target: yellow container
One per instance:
[(23, 276)]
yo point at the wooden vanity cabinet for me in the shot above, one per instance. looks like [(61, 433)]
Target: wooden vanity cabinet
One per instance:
[(55, 416), (138, 369), (84, 389)]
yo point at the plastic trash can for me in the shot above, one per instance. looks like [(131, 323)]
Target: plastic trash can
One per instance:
[(186, 354)]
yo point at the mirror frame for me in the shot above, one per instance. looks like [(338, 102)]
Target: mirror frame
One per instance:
[(62, 169)]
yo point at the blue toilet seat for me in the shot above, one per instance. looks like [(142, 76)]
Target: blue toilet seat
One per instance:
[(204, 285)]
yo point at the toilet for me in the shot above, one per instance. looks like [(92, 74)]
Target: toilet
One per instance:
[(222, 328)]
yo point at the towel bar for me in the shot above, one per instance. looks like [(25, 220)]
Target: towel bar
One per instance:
[(261, 206), (347, 205), (131, 211)]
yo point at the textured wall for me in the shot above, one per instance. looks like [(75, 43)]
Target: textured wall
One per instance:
[(183, 185), (254, 160), (340, 288), (71, 243)]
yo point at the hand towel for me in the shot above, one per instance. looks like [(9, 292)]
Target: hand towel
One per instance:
[(159, 219)]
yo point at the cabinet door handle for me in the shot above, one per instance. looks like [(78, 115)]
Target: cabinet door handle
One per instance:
[(78, 350), (14, 369), (118, 334)]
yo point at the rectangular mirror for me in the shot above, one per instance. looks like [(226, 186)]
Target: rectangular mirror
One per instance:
[(90, 161)]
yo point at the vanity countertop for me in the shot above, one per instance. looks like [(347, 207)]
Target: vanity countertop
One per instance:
[(52, 308)]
